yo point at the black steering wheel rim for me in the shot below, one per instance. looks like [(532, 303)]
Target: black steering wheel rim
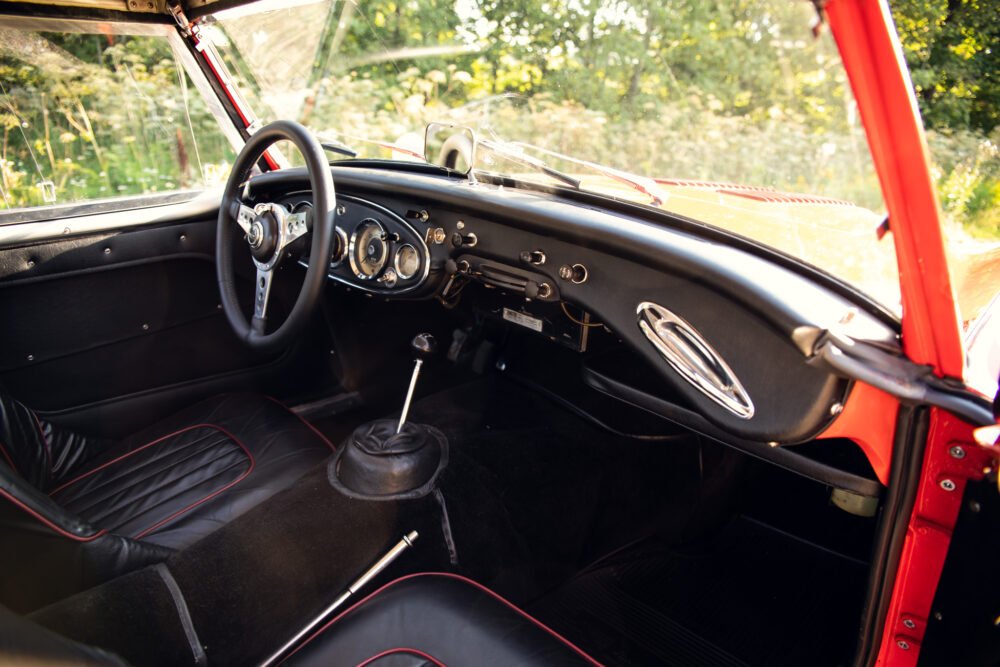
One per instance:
[(253, 332)]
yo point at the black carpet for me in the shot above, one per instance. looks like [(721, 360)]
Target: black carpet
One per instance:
[(750, 596)]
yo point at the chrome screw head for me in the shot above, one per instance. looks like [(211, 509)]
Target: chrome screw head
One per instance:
[(909, 624), (957, 452), (947, 485), (903, 645)]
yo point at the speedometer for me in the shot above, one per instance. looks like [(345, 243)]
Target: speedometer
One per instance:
[(369, 250)]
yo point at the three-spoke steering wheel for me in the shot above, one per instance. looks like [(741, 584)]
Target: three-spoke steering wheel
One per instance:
[(268, 229)]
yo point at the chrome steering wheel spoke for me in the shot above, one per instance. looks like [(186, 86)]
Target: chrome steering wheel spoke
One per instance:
[(242, 214), (262, 294), (294, 226)]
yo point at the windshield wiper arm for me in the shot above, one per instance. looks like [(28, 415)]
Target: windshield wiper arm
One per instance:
[(507, 151), (338, 148), (646, 186)]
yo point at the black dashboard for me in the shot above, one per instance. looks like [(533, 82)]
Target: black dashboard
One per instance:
[(740, 318)]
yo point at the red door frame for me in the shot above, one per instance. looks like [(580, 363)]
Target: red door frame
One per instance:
[(877, 71)]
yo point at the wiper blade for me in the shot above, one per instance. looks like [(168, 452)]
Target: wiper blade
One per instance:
[(341, 149), (338, 147), (509, 152), (647, 186)]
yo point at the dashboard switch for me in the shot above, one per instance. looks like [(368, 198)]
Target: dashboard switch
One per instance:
[(575, 274), (467, 240), (536, 257)]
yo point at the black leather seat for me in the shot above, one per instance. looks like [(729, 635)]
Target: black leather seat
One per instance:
[(436, 619), (97, 509), (432, 619)]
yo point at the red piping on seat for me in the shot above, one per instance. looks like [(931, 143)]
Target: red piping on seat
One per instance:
[(211, 495), (3, 450), (301, 419), (42, 519), (139, 449), (190, 507), (465, 580), (394, 651)]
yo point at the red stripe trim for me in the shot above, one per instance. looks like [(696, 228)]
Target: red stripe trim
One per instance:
[(230, 485), (49, 524), (312, 428), (190, 507), (136, 451), (394, 651), (10, 461), (465, 580)]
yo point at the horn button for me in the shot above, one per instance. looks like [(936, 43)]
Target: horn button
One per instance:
[(263, 235)]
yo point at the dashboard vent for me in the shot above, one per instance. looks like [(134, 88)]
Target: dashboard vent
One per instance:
[(689, 354)]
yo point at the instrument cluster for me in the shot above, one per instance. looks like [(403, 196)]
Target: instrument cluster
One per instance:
[(377, 251)]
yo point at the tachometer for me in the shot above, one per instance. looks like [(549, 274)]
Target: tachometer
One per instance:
[(407, 261), (369, 249)]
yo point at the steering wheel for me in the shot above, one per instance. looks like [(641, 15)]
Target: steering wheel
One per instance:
[(268, 230)]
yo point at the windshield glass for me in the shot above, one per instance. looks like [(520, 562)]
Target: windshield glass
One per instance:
[(734, 115)]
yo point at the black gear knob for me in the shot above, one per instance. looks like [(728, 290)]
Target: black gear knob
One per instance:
[(423, 345)]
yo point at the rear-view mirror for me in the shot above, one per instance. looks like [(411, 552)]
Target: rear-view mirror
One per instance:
[(450, 146)]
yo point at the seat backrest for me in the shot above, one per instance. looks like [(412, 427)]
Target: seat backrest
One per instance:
[(49, 553), (23, 444)]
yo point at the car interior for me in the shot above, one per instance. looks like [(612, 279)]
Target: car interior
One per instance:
[(381, 412), (572, 441)]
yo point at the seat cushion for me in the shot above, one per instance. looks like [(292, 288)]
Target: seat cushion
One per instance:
[(181, 479), (436, 619)]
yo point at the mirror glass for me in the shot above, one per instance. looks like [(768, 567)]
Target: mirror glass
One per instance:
[(450, 146)]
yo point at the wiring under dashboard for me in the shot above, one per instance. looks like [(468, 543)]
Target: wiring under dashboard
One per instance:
[(574, 320)]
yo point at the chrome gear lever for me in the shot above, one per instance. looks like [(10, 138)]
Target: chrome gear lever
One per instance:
[(424, 346)]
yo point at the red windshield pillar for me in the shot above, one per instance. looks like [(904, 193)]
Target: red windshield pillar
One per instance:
[(874, 62)]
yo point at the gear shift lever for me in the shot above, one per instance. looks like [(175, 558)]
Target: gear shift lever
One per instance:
[(424, 346)]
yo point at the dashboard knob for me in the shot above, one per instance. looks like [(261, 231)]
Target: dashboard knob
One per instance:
[(576, 273), (536, 257), (424, 345), (458, 240)]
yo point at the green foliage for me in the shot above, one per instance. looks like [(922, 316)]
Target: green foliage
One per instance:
[(951, 47), (88, 116)]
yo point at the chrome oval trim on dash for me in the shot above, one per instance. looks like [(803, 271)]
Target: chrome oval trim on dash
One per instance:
[(693, 358)]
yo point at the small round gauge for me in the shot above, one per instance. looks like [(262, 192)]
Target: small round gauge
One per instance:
[(368, 251), (407, 261)]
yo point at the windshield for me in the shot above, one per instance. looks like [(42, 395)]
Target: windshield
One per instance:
[(736, 116)]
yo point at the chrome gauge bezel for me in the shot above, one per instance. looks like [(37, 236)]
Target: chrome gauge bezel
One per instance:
[(352, 247), (403, 275), (344, 244)]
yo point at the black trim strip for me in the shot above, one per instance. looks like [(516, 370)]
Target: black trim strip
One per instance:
[(904, 478), (779, 456), (183, 614)]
